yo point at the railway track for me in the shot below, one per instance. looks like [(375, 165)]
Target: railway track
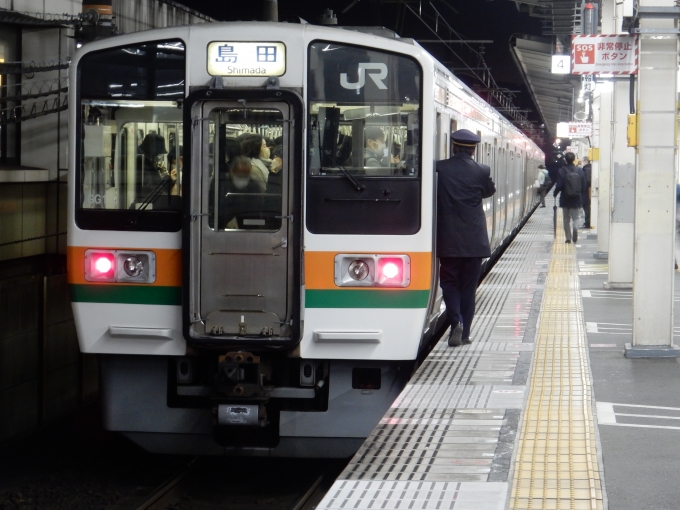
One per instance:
[(271, 484), (170, 491)]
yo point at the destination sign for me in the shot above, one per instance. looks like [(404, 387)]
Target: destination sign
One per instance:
[(246, 59)]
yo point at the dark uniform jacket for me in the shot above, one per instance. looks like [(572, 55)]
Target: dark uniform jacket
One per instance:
[(570, 202), (588, 172), (461, 222)]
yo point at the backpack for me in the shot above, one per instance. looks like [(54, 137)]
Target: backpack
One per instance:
[(572, 183)]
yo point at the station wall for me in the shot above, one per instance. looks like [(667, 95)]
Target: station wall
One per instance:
[(42, 373)]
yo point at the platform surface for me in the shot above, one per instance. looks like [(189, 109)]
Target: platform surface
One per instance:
[(542, 411)]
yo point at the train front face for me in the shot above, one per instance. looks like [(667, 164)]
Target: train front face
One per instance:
[(255, 276)]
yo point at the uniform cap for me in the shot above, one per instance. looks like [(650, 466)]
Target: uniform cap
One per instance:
[(465, 138)]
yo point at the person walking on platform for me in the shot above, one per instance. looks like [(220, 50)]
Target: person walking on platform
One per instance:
[(544, 183), (462, 237), (571, 185), (587, 172)]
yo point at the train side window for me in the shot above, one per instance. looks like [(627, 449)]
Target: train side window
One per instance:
[(454, 128), (130, 148)]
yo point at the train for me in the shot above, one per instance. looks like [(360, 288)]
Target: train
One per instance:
[(249, 284)]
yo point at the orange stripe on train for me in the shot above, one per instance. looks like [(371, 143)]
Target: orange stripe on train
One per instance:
[(168, 265), (320, 270)]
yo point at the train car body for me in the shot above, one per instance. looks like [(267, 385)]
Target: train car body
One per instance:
[(282, 319)]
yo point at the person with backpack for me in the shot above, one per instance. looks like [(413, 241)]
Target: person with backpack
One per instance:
[(544, 183), (571, 185)]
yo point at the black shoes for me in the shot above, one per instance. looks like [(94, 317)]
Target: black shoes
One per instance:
[(568, 241), (456, 336)]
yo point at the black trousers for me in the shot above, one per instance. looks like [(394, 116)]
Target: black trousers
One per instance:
[(458, 278), (586, 208)]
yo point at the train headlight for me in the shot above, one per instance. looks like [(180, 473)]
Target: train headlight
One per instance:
[(133, 266), (123, 266), (358, 270)]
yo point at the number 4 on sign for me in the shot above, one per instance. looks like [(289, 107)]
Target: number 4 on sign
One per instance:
[(561, 64), (587, 83)]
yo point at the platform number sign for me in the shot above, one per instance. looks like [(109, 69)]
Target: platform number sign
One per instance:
[(561, 64)]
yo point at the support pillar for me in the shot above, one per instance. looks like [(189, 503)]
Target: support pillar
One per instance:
[(653, 280), (606, 123), (622, 188), (604, 101)]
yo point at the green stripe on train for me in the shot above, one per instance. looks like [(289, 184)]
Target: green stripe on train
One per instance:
[(366, 298), (127, 294)]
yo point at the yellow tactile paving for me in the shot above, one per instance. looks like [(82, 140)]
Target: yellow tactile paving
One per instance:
[(556, 465)]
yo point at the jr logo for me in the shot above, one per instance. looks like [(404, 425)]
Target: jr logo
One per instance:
[(377, 73)]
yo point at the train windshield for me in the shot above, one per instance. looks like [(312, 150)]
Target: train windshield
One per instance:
[(131, 150), (364, 108)]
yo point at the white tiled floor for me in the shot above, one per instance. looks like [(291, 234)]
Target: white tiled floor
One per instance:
[(436, 446)]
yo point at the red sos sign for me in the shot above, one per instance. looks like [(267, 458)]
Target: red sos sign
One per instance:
[(585, 53)]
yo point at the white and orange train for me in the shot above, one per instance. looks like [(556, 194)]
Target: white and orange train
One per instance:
[(251, 303)]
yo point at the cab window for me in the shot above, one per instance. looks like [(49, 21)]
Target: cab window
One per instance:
[(363, 132), (364, 112), (130, 140)]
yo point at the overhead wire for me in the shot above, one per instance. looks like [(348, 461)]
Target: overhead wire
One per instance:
[(485, 78)]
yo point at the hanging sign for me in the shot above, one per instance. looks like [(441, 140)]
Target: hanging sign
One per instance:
[(587, 83), (604, 53), (561, 64), (574, 129)]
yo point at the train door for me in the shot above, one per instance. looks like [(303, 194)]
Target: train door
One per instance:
[(442, 144), (243, 267), (512, 190), (495, 202), (502, 192), (487, 159)]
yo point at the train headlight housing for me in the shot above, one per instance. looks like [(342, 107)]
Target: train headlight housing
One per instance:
[(133, 266), (358, 270), (123, 266), (362, 270)]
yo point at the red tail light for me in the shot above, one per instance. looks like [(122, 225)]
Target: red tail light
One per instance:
[(102, 267), (390, 271)]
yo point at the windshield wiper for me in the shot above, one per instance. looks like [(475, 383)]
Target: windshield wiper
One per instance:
[(345, 172), (151, 197)]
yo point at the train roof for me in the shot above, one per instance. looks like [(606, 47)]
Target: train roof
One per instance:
[(379, 37)]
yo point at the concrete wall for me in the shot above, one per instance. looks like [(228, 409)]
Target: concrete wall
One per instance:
[(42, 373)]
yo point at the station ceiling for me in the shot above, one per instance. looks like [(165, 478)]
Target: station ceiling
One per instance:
[(552, 93)]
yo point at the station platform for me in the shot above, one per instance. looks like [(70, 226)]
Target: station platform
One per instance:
[(541, 411)]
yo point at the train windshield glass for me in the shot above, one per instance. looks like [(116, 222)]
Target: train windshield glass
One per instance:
[(364, 108), (246, 157), (131, 150)]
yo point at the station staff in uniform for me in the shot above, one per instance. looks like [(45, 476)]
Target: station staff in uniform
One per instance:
[(462, 237)]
